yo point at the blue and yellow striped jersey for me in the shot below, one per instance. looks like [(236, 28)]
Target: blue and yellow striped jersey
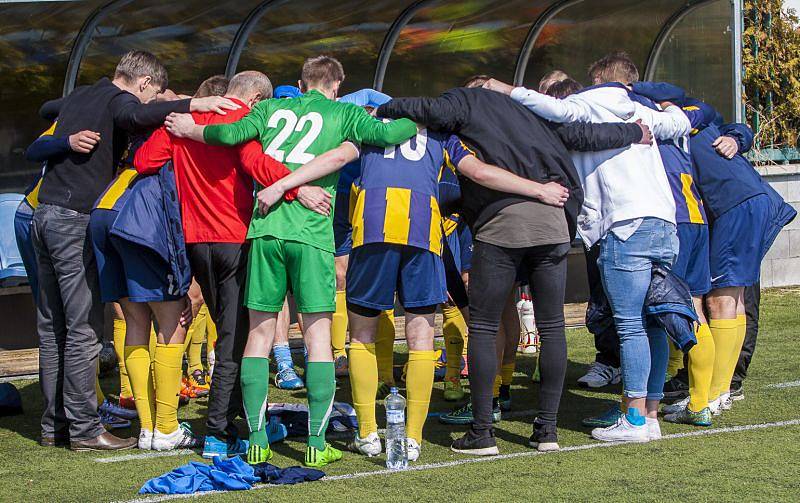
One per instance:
[(681, 174), (397, 194), (117, 191), (32, 195)]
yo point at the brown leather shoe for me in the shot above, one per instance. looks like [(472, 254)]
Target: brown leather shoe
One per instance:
[(104, 442)]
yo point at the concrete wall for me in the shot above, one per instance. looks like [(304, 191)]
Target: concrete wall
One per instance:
[(781, 266)]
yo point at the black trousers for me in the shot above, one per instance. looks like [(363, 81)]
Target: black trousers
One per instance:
[(606, 342), (494, 270), (69, 322), (221, 270), (752, 304)]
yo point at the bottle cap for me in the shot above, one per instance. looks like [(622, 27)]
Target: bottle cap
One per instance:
[(393, 390)]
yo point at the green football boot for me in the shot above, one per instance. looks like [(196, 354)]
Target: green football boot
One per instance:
[(316, 458), (257, 454), (688, 416)]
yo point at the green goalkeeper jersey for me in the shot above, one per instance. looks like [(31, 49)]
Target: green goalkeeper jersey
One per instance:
[(295, 131)]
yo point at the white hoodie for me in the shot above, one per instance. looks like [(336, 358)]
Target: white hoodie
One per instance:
[(622, 184)]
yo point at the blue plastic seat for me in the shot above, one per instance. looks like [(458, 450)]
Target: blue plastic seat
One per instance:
[(12, 270)]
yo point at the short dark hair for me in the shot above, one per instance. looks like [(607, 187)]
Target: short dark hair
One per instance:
[(476, 81), (614, 67), (563, 88), (137, 64), (321, 71), (216, 85)]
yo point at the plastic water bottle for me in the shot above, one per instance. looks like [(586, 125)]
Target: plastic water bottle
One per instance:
[(528, 340), (396, 444)]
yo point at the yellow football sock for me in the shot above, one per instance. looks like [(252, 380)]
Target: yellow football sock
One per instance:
[(101, 397), (675, 360), (137, 361), (701, 369), (725, 337), (168, 360), (195, 337), (364, 385), (736, 350), (507, 373), (419, 383), (339, 325), (498, 380), (384, 346), (454, 330), (119, 348)]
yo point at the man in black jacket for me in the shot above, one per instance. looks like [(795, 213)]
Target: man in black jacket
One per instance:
[(69, 311), (514, 234)]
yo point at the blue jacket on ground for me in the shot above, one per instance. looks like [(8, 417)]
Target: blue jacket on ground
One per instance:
[(151, 217), (669, 303)]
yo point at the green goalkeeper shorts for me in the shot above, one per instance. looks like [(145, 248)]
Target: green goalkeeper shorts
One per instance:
[(276, 266)]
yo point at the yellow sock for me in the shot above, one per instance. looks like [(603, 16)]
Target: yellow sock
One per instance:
[(168, 360), (97, 389), (364, 385), (339, 325), (675, 360), (454, 330), (736, 350), (725, 337), (701, 369), (384, 346), (419, 383), (507, 373), (119, 348), (195, 337), (498, 379), (137, 361)]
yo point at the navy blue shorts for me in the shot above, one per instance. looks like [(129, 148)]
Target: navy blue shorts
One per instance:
[(692, 264), (378, 270), (342, 229), (740, 238), (127, 269)]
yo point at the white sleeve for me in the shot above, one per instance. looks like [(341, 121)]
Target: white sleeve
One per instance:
[(553, 109), (670, 124)]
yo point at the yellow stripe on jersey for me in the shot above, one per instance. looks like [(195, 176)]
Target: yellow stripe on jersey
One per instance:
[(449, 225), (436, 230), (396, 222), (116, 189), (692, 204), (357, 220)]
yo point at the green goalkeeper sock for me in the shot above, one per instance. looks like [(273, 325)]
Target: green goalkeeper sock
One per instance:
[(321, 386), (255, 388)]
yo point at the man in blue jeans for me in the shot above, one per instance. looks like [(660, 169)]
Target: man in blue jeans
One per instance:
[(629, 209)]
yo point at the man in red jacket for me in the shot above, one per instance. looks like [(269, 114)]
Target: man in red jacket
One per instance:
[(215, 189)]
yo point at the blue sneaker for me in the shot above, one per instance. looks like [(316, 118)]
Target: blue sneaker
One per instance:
[(109, 407), (604, 420), (111, 422), (214, 447), (276, 430), (287, 378)]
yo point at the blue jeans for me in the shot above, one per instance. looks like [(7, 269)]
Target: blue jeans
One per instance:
[(625, 268)]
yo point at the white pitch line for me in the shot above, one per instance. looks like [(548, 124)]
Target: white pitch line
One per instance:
[(790, 384), (144, 455), (459, 462)]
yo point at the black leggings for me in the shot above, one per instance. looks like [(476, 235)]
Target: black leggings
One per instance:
[(494, 270)]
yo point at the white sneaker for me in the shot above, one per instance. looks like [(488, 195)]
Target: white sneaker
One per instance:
[(676, 407), (622, 431), (182, 438), (653, 428), (370, 446), (413, 449), (145, 439), (600, 375), (725, 401), (714, 405)]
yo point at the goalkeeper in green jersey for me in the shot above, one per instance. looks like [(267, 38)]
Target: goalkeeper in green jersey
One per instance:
[(291, 246)]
